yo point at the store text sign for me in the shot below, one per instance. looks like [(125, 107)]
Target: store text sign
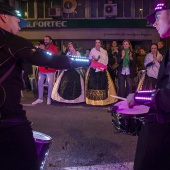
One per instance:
[(48, 24)]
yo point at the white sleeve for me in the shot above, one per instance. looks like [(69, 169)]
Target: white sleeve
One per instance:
[(148, 59)]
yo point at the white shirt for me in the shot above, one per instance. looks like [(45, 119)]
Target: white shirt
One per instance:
[(125, 71), (152, 71)]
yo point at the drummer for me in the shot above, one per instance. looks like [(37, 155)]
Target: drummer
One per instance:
[(17, 146), (153, 147)]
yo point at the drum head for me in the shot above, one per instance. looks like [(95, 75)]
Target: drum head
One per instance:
[(41, 137), (136, 110)]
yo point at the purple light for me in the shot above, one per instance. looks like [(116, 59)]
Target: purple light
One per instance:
[(146, 91), (160, 6), (143, 98)]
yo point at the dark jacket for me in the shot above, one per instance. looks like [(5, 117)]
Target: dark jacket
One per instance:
[(15, 49), (163, 83)]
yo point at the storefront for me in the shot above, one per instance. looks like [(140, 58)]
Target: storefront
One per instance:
[(84, 32)]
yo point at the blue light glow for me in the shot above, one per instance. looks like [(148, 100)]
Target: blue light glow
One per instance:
[(49, 53), (79, 58)]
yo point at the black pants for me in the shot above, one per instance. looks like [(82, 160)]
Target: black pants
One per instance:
[(17, 148), (153, 147), (124, 85)]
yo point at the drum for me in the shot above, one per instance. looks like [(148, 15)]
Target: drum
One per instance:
[(128, 120), (43, 143)]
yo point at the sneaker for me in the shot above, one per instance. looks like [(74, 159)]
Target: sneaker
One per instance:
[(37, 101), (48, 101)]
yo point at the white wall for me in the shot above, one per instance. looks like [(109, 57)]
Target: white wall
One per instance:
[(93, 33), (85, 37)]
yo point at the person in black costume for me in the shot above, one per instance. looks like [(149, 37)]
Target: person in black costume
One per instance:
[(17, 147), (153, 147), (161, 47)]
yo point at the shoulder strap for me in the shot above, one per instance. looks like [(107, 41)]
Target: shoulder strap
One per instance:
[(7, 73)]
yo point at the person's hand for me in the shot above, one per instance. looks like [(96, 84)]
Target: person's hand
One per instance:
[(123, 54), (130, 100), (154, 56), (42, 46), (130, 56), (159, 58), (96, 58), (114, 50), (64, 48)]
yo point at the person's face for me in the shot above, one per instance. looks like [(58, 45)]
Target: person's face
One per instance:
[(142, 52), (153, 49), (108, 46), (87, 52), (114, 44), (126, 45), (47, 41), (12, 24), (97, 44), (160, 45), (70, 46), (162, 23)]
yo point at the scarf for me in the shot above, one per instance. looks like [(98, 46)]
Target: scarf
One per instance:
[(126, 58)]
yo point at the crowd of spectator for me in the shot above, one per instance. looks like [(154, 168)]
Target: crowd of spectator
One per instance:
[(124, 68)]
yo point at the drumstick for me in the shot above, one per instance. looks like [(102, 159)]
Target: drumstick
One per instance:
[(117, 97)]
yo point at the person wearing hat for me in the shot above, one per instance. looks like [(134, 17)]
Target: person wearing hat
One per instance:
[(17, 146), (153, 146)]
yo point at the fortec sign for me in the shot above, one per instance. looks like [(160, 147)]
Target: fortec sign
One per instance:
[(48, 24)]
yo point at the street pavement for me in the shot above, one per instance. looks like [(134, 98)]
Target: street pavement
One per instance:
[(83, 137)]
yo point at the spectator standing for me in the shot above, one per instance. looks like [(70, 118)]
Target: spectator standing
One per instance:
[(64, 50), (161, 48), (87, 52), (112, 62), (140, 60), (152, 64), (46, 73), (126, 69)]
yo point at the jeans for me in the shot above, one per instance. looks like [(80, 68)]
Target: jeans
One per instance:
[(124, 85), (50, 81)]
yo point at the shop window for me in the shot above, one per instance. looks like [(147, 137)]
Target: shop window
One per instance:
[(97, 8)]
